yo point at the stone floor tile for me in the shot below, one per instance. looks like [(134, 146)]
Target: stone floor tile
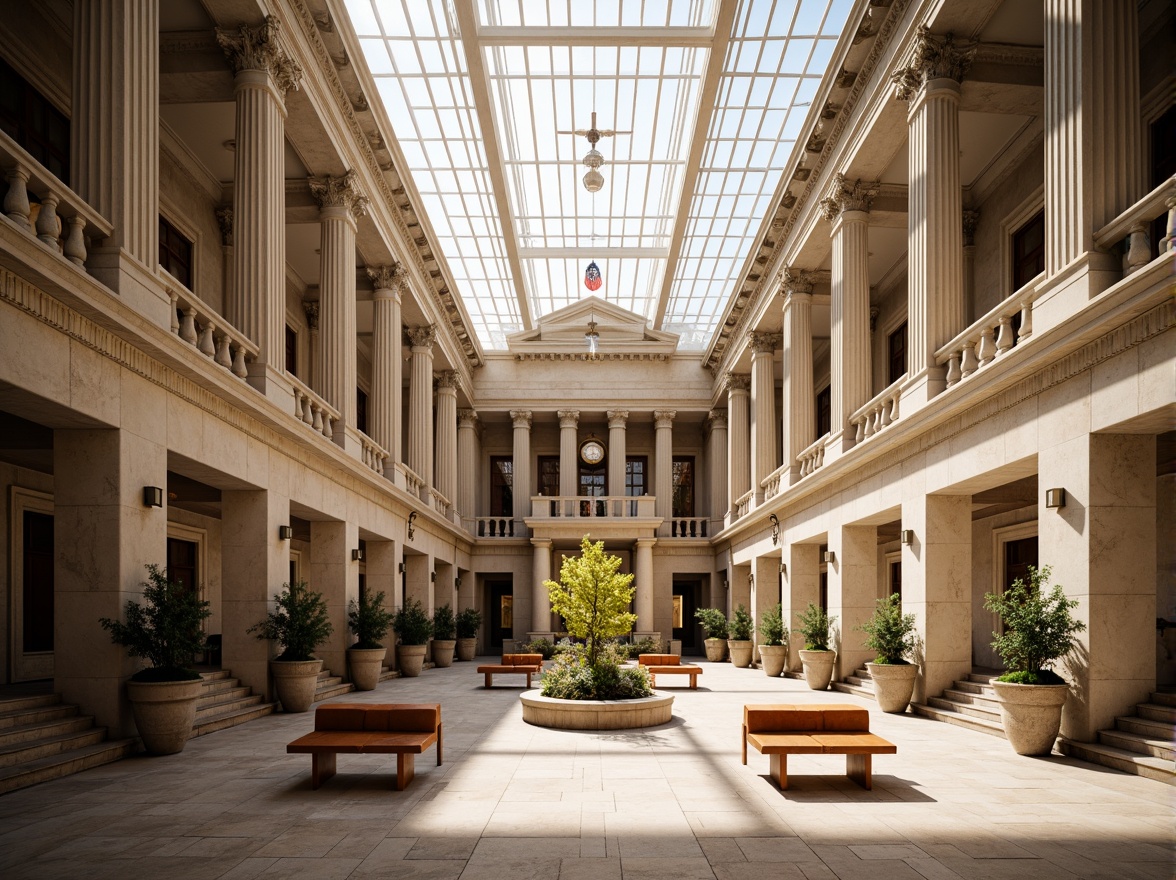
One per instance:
[(757, 871), (434, 848), (311, 869), (512, 869), (506, 848), (590, 869), (665, 868), (887, 851)]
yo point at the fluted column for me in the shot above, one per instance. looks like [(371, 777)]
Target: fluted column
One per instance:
[(467, 464), (420, 401), (447, 435), (618, 419), (643, 584), (341, 203), (931, 85), (738, 441), (764, 447), (799, 418), (663, 475), (540, 572), (521, 469), (716, 423), (264, 73), (569, 472), (385, 417)]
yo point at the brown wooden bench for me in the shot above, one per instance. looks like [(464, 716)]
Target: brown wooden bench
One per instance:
[(519, 664), (782, 730), (668, 664), (401, 729)]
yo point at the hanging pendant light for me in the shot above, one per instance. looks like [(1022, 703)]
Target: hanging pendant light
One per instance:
[(592, 338)]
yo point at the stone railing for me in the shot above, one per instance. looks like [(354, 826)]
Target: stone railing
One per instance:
[(413, 484), (41, 205), (990, 336), (743, 504), (440, 503), (494, 527), (688, 527), (596, 506), (812, 457), (210, 334), (880, 412), (312, 409), (1131, 227), (372, 453), (775, 482)]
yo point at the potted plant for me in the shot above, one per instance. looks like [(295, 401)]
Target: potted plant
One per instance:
[(891, 635), (299, 623), (166, 630), (816, 657), (413, 628), (1038, 630), (469, 621), (714, 624), (739, 639), (773, 649), (369, 620), (444, 629)]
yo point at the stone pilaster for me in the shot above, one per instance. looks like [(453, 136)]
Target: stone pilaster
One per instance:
[(618, 420), (340, 204), (643, 584), (569, 471), (420, 401), (799, 419), (853, 589), (467, 466), (521, 470), (738, 440), (716, 424), (663, 475), (331, 571), (385, 417), (447, 383), (764, 447), (802, 585), (540, 572)]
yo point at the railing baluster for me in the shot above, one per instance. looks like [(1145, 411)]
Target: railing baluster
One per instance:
[(16, 200), (75, 241), (48, 225)]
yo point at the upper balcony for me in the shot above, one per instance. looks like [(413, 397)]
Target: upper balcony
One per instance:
[(601, 516)]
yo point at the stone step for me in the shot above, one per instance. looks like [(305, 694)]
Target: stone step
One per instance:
[(1121, 759), (1161, 730), (243, 701), (387, 674), (971, 710), (959, 719), (39, 730), (62, 764), (35, 701), (1164, 698), (861, 681), (983, 700), (1138, 743), (218, 675), (232, 717), (21, 753), (975, 687), (1157, 712), (224, 695), (846, 687), (219, 685), (35, 714), (983, 677), (334, 690)]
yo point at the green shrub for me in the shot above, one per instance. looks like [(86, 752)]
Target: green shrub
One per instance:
[(299, 622), (742, 626), (814, 626), (889, 632), (571, 677), (166, 630), (1039, 628), (444, 623), (714, 622), (540, 646), (411, 624), (369, 620), (469, 621), (771, 627)]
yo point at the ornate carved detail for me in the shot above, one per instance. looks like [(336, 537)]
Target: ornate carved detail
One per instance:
[(735, 382), (339, 192), (360, 104), (392, 277), (845, 78), (867, 28), (568, 418), (932, 57), (664, 418), (467, 418), (422, 337), (830, 110), (312, 315), (448, 379), (816, 141), (617, 418), (715, 419), (874, 313), (763, 343), (323, 23), (521, 418), (846, 196), (793, 280), (258, 48), (971, 218), (224, 219)]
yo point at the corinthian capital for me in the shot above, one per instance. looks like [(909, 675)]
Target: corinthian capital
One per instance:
[(422, 337), (339, 192), (735, 382), (448, 379), (258, 48), (846, 196), (762, 343), (793, 280), (931, 57), (224, 219), (388, 277), (521, 418)]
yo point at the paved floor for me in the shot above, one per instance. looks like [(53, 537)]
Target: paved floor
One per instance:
[(515, 802)]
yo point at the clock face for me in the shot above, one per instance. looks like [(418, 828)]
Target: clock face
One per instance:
[(592, 451)]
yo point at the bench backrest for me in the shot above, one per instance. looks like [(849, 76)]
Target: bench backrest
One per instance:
[(806, 719), (522, 659), (383, 717), (658, 660)]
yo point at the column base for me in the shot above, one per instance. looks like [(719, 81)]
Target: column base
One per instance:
[(273, 384), (922, 388), (135, 284)]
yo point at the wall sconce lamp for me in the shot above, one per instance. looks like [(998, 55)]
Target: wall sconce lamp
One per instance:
[(751, 579), (830, 557), (725, 585), (1055, 498), (285, 533), (411, 519), (357, 555), (775, 529), (783, 568), (907, 536), (152, 496), (432, 577), (457, 583), (400, 568)]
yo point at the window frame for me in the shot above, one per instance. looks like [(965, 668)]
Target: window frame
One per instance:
[(1029, 207), (172, 217)]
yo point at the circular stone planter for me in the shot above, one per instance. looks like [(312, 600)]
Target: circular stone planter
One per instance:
[(443, 652), (716, 650), (164, 712), (411, 659), (597, 714), (818, 668), (740, 650), (467, 649), (773, 658), (893, 684), (1031, 714), (295, 681), (366, 666)]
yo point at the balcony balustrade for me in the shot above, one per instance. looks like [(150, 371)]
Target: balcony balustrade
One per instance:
[(591, 507), (372, 453), (881, 411), (775, 482), (201, 327), (812, 457), (413, 484), (688, 527), (319, 415), (494, 527), (991, 336), (1131, 227)]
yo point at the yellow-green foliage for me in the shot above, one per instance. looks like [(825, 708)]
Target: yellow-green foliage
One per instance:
[(592, 598)]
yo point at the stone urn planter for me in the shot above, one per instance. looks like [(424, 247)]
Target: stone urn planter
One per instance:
[(1031, 714), (410, 659), (597, 714), (818, 668), (467, 649), (893, 684), (443, 652), (716, 650), (740, 652), (164, 712), (295, 682), (773, 658), (366, 665)]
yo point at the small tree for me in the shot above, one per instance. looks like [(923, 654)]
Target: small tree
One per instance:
[(771, 627), (1039, 628), (889, 632), (411, 624), (369, 620), (469, 621), (299, 622), (742, 626), (713, 621), (592, 598), (814, 626), (444, 624)]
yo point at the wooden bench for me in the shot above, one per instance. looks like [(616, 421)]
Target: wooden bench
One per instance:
[(782, 730), (518, 664), (401, 729), (668, 664)]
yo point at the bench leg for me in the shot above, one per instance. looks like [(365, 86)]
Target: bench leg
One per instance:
[(694, 681), (440, 741), (857, 768), (489, 678), (743, 743), (779, 770), (652, 680), (322, 768), (528, 679), (405, 770)]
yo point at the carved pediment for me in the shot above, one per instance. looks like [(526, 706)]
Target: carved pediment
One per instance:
[(622, 335)]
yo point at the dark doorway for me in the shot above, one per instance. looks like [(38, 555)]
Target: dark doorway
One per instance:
[(501, 611), (686, 599), (38, 582), (1019, 555), (182, 564), (896, 578)]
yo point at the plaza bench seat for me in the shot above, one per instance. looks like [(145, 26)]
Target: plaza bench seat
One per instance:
[(518, 664), (668, 664)]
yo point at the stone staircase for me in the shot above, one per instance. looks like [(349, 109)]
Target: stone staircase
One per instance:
[(330, 685), (42, 738), (1143, 743), (227, 703), (859, 684), (970, 703)]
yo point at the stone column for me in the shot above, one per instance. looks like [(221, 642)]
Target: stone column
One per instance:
[(765, 593), (971, 220), (341, 203), (663, 475), (540, 572), (716, 423), (618, 419), (800, 426), (314, 370), (264, 73), (853, 589), (224, 220), (332, 572), (387, 364), (420, 401), (643, 583), (764, 447), (447, 435), (937, 587), (382, 559), (114, 143), (418, 581), (521, 469), (802, 585), (931, 86), (467, 467), (569, 471), (738, 441)]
